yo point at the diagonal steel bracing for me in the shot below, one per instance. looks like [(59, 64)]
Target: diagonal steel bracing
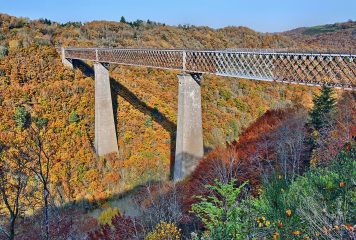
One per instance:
[(315, 69)]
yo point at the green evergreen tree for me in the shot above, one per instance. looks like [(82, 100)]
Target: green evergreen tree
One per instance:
[(221, 212), (123, 20), (22, 118), (40, 122), (73, 117), (324, 104)]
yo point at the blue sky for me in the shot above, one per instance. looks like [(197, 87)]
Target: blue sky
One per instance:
[(261, 15)]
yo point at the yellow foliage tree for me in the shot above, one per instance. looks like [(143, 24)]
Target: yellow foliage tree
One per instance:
[(107, 215), (165, 231)]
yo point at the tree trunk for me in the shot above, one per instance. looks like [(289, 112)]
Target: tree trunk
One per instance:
[(46, 219), (12, 227)]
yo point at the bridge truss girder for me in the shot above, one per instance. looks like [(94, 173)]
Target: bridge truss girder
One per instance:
[(313, 69)]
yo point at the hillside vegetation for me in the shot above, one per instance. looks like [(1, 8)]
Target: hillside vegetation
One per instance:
[(291, 175), (146, 99), (47, 122), (338, 36)]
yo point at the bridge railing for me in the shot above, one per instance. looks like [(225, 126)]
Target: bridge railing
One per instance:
[(315, 69)]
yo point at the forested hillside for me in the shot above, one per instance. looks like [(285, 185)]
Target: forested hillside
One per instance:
[(33, 77), (47, 117), (291, 175), (331, 36)]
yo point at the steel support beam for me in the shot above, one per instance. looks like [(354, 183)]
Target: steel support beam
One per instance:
[(105, 132), (189, 142)]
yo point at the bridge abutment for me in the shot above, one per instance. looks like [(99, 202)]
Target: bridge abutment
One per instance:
[(105, 132), (189, 141)]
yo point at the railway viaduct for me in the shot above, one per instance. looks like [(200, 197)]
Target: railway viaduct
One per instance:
[(336, 70)]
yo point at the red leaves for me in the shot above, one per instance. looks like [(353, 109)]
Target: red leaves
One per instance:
[(123, 228), (240, 160)]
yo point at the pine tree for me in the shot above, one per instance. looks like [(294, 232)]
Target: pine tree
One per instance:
[(123, 20), (324, 104), (73, 117), (22, 118)]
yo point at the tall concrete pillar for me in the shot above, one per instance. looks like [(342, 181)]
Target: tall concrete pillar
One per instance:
[(189, 142), (105, 133), (66, 62)]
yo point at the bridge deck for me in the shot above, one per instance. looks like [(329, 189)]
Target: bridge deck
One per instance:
[(314, 69)]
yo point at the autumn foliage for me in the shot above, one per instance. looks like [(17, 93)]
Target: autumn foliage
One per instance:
[(121, 228), (242, 160), (34, 85)]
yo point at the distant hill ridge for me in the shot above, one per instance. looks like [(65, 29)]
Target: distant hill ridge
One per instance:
[(327, 28), (337, 36)]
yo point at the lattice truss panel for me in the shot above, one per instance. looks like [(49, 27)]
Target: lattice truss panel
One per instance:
[(253, 66), (81, 53), (169, 59), (332, 70), (335, 70)]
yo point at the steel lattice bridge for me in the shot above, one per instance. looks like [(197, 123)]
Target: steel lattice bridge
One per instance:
[(335, 70), (314, 69)]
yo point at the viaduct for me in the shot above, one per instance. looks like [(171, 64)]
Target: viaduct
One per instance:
[(335, 70)]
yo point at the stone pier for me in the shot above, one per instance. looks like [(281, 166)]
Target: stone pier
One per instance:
[(189, 142), (105, 131)]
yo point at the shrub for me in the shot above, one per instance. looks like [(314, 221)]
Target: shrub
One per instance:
[(73, 117), (325, 197), (272, 206), (22, 118), (165, 231), (220, 211), (318, 203)]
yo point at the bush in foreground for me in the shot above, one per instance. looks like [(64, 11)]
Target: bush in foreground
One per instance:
[(317, 205), (165, 231)]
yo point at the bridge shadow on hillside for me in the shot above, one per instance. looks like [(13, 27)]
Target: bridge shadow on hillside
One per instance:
[(66, 218), (117, 89)]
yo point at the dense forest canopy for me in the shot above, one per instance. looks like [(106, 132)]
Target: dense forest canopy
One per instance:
[(47, 120)]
